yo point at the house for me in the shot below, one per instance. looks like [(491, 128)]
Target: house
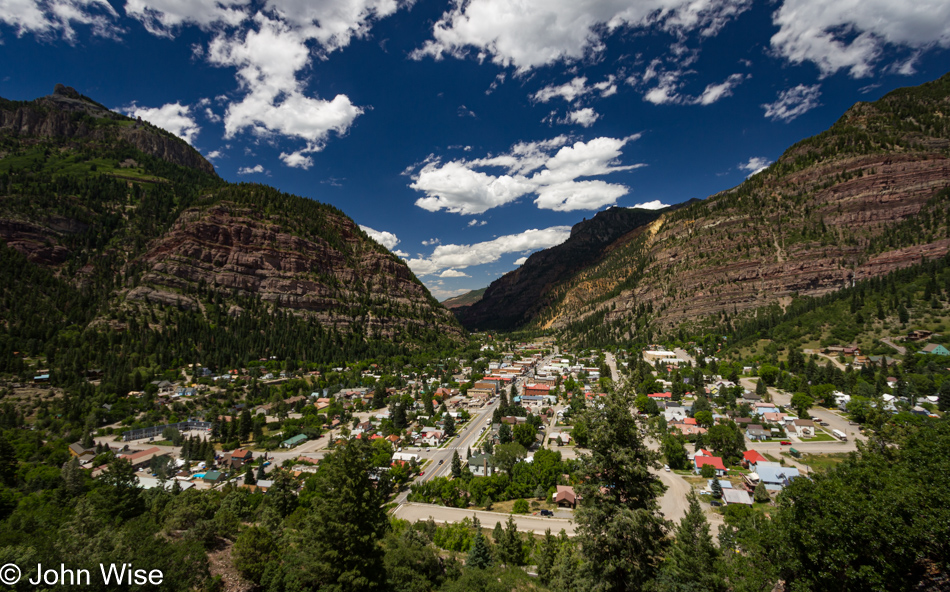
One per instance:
[(736, 496), (662, 396), (212, 477), (83, 454), (750, 458), (774, 417), (565, 497), (433, 438), (700, 461), (724, 484), (481, 465), (238, 458), (293, 442), (773, 475), (804, 428), (687, 430), (935, 349), (564, 436), (918, 335), (142, 459), (755, 433)]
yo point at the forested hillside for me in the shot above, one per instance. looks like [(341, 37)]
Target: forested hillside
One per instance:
[(122, 251), (866, 197)]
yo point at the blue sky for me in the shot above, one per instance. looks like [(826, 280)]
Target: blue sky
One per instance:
[(466, 135)]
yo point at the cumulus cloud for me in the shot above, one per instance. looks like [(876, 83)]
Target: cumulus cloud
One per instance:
[(793, 102), (669, 82), (756, 164), (431, 242), (476, 223), (452, 273), (297, 160), (584, 117), (652, 205), (258, 168), (213, 155), (445, 257), (852, 34), (387, 239), (55, 18), (534, 33), (520, 260), (463, 187), (173, 117)]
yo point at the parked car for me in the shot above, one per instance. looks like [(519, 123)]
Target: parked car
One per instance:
[(421, 473), (715, 503), (441, 461), (547, 513), (666, 468), (785, 443)]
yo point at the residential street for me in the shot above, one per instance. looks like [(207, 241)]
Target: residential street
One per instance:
[(526, 523)]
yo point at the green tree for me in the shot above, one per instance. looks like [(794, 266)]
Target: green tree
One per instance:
[(119, 494), (340, 550), (676, 455), (761, 494), (707, 471), (691, 564), (525, 434), (8, 462), (249, 475), (506, 456), (449, 425), (253, 550), (704, 419), (412, 564), (504, 433), (546, 556), (520, 506), (760, 388), (456, 465), (480, 555), (510, 549), (620, 529), (802, 402), (716, 488)]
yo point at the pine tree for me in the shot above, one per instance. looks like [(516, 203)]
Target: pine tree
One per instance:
[(511, 545), (449, 425), (716, 488), (249, 476), (260, 472), (546, 557), (690, 563), (479, 556), (456, 465), (761, 495)]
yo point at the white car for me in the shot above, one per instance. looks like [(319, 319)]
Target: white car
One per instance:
[(666, 468)]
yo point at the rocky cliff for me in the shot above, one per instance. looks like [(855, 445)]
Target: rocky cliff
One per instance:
[(866, 197), (136, 221)]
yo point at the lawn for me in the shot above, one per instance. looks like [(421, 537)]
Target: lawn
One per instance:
[(821, 462), (821, 437)]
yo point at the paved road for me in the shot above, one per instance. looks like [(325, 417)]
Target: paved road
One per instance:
[(537, 524), (612, 364), (462, 442)]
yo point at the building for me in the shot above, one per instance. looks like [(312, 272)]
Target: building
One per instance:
[(935, 349), (565, 497), (83, 454), (755, 432), (481, 465), (804, 428), (238, 458), (293, 442), (699, 461)]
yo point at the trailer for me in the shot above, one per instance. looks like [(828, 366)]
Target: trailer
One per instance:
[(839, 435)]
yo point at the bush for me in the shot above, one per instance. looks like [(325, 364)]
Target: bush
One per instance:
[(520, 507)]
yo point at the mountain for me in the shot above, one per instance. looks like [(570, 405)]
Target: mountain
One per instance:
[(866, 197), (114, 231), (519, 296), (465, 299)]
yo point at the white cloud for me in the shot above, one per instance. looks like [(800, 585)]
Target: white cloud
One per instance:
[(568, 91), (584, 117), (431, 242), (441, 294), (296, 160), (520, 260), (258, 168), (268, 61), (50, 19), (333, 23), (852, 34), (452, 273), (533, 33), (669, 82), (476, 223), (401, 254), (173, 117), (756, 164), (714, 92), (456, 257), (387, 239), (652, 205), (163, 17), (793, 102), (213, 155), (458, 186)]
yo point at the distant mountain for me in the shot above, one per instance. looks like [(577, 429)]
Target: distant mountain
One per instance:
[(519, 296), (115, 231), (866, 197), (466, 299)]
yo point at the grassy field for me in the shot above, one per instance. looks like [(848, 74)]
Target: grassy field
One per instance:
[(820, 437), (822, 462)]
